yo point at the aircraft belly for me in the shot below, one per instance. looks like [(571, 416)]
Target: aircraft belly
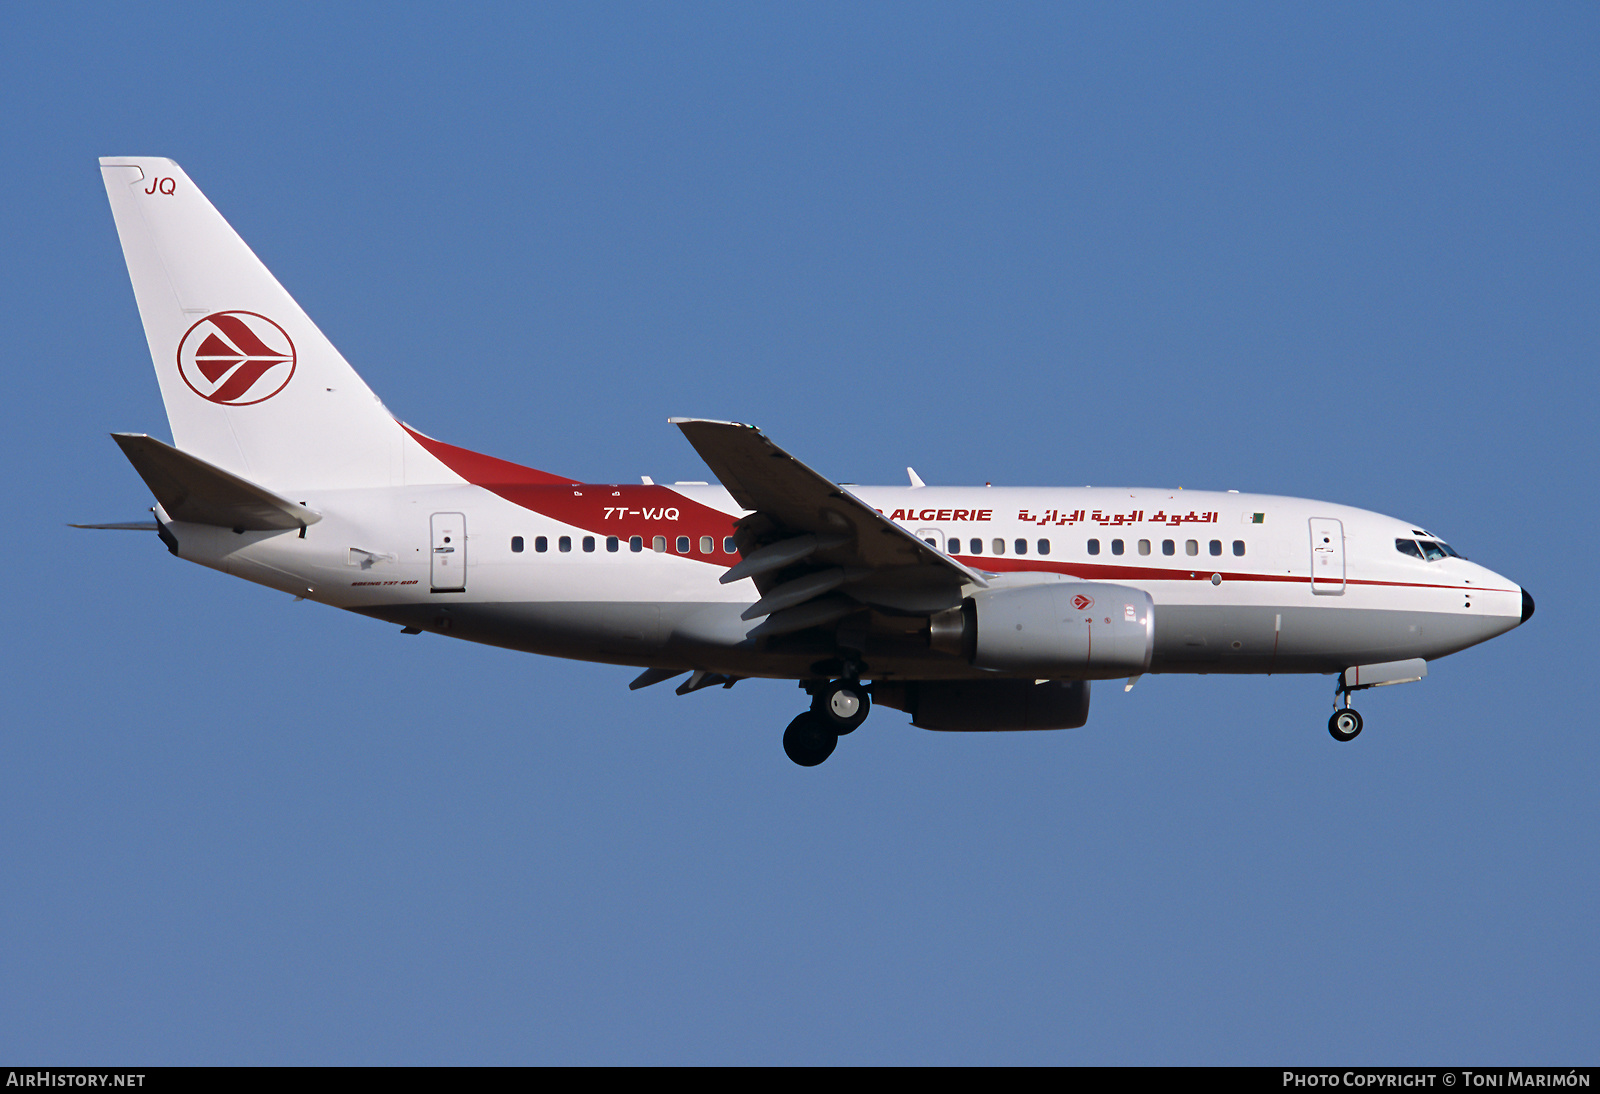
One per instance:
[(1252, 639), (655, 635)]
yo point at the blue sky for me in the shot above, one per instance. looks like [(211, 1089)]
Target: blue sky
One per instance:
[(1346, 253)]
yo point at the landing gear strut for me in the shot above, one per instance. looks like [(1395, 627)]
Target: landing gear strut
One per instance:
[(837, 708), (1345, 725)]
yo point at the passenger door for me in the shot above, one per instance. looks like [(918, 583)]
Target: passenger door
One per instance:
[(449, 566), (1327, 556)]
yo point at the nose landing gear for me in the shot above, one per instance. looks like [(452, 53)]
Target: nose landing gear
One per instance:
[(837, 708), (1345, 725)]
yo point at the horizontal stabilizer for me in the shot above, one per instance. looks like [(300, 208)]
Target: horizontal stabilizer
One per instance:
[(190, 489)]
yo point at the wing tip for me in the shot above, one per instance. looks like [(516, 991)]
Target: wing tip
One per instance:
[(681, 422)]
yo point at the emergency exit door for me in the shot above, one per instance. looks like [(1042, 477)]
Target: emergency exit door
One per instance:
[(449, 566), (1327, 556)]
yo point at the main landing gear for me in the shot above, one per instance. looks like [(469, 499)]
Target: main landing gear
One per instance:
[(837, 708)]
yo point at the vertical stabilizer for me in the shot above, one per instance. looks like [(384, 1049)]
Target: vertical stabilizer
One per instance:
[(249, 382)]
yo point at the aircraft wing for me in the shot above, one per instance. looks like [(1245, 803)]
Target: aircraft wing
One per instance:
[(816, 551)]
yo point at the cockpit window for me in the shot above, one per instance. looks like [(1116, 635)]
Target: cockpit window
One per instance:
[(1430, 549)]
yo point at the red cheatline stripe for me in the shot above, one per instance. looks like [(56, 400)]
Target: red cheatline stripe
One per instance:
[(1101, 572)]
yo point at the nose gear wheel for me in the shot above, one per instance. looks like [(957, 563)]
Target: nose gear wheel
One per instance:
[(1345, 725)]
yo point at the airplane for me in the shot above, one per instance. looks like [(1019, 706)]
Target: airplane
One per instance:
[(968, 608)]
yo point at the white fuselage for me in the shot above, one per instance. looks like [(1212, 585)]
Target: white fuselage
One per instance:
[(629, 574)]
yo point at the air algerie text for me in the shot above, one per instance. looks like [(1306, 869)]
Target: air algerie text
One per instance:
[(942, 514)]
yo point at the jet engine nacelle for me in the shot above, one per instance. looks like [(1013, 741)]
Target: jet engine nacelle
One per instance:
[(1071, 630), (979, 705)]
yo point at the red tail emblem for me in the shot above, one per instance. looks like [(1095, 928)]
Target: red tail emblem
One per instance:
[(1082, 603), (236, 358)]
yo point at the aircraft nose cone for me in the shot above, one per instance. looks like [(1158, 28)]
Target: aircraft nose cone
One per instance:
[(1527, 606)]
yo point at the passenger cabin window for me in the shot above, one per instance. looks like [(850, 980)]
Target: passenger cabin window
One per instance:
[(659, 544), (612, 543), (588, 543), (1191, 547), (1021, 546), (1238, 547), (729, 547), (564, 543), (977, 546), (955, 545), (1044, 546), (636, 543), (999, 546), (1094, 546), (516, 545), (541, 544), (683, 545), (1144, 546), (1168, 547), (1116, 546), (1216, 546)]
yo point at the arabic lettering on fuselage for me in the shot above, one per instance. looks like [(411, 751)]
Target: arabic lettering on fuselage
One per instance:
[(1115, 520), (1056, 517)]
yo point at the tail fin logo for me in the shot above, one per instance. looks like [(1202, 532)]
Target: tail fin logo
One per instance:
[(236, 358)]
